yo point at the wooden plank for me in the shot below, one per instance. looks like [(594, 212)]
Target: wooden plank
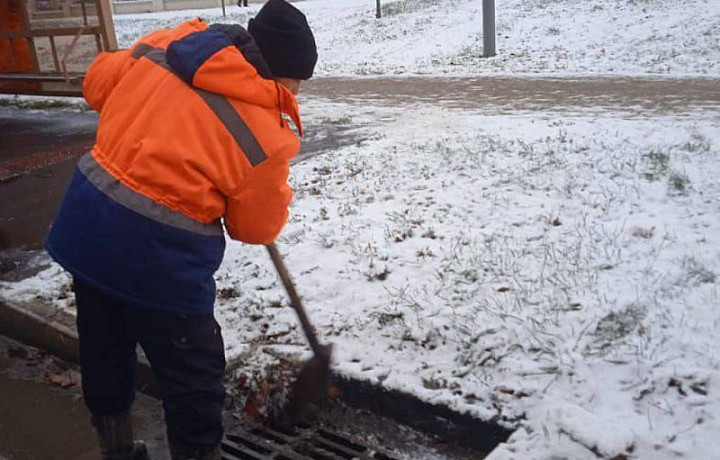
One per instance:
[(39, 77), (57, 32), (68, 93), (84, 13), (53, 50)]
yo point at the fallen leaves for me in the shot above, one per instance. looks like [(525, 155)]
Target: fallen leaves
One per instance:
[(63, 379)]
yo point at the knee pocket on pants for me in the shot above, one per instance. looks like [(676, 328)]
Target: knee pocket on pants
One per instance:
[(197, 334)]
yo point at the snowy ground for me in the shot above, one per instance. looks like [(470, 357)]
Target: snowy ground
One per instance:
[(557, 271), (550, 37)]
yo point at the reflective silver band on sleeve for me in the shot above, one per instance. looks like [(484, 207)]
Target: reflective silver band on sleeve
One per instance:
[(139, 203)]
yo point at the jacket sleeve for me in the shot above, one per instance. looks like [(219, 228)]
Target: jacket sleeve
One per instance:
[(103, 75), (259, 211)]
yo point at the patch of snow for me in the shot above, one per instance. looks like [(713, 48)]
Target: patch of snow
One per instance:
[(43, 102), (556, 274), (552, 38), (51, 285), (527, 268)]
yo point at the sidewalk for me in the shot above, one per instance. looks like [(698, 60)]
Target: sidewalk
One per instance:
[(641, 95), (42, 416)]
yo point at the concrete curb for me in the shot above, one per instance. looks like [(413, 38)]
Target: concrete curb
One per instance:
[(435, 420), (42, 326), (53, 333)]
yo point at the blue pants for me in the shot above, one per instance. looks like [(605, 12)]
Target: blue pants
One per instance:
[(186, 354)]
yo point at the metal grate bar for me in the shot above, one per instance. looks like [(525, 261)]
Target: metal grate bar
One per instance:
[(257, 442), (274, 435), (250, 444), (290, 456), (315, 454), (381, 456), (337, 449), (342, 440), (233, 451)]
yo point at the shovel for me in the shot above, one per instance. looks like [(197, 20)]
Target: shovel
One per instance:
[(310, 390)]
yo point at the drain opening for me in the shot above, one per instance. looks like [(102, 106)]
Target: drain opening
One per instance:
[(256, 442)]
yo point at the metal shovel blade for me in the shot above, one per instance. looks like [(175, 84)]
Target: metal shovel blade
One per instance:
[(310, 391)]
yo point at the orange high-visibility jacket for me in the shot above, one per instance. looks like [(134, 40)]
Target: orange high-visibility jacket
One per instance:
[(190, 133), (161, 137)]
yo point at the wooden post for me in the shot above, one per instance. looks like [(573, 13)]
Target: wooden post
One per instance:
[(222, 2), (378, 9), (106, 25), (488, 28), (53, 50), (84, 12)]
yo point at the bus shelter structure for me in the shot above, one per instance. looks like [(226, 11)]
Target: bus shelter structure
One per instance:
[(46, 45)]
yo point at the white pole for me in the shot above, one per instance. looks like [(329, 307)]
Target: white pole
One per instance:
[(489, 28)]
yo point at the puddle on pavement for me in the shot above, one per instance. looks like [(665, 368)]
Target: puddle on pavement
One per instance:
[(41, 422), (321, 138), (44, 421)]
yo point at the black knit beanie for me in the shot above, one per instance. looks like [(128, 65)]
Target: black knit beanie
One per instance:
[(284, 37)]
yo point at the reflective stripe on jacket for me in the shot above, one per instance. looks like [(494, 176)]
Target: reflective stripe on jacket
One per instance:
[(189, 134)]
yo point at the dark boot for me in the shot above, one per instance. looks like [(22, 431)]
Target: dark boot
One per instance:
[(115, 436), (180, 452)]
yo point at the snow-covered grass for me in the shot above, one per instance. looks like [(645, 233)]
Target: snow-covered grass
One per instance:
[(559, 37), (559, 274)]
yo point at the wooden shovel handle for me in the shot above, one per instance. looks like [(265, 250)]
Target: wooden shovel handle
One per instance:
[(294, 298)]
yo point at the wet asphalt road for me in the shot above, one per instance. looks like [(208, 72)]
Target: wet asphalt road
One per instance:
[(37, 155)]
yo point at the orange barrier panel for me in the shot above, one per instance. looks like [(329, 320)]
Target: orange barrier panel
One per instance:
[(15, 53)]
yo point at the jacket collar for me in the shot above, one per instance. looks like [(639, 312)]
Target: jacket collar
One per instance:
[(226, 61)]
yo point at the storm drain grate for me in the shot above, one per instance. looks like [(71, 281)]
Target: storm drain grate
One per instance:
[(256, 442)]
